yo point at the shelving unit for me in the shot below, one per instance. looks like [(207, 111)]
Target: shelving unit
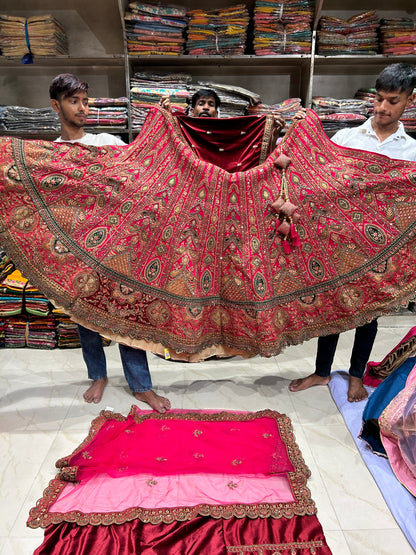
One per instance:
[(98, 54)]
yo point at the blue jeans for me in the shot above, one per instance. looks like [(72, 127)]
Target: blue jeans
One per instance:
[(134, 361), (363, 343)]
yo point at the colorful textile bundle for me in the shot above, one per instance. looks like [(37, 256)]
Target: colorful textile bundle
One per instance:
[(398, 36), (337, 113), (15, 330), (11, 294), (20, 118), (221, 31), (357, 35), (287, 108), (283, 27), (155, 29), (105, 112), (41, 333), (148, 88), (208, 482), (44, 33), (67, 336), (2, 332)]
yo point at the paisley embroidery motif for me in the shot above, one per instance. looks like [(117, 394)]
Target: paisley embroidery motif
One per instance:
[(375, 234), (53, 182), (96, 237), (152, 270)]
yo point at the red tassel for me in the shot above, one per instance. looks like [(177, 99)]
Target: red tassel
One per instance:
[(286, 247), (294, 236)]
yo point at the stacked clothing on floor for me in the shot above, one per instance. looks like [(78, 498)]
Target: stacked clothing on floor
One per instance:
[(67, 336), (147, 88), (155, 29), (235, 101), (44, 33), (2, 116), (356, 35), (220, 31), (287, 108), (41, 333), (2, 332), (337, 113), (20, 118), (35, 302), (398, 36), (212, 482), (283, 27), (105, 112), (15, 332)]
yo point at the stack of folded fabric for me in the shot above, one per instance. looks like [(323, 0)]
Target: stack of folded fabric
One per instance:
[(35, 302), (44, 33), (287, 108), (11, 294), (2, 332), (357, 35), (41, 333), (155, 29), (15, 330), (283, 27), (67, 336), (368, 96), (148, 88), (221, 31), (409, 117), (336, 113), (2, 116), (398, 36), (20, 118), (104, 112)]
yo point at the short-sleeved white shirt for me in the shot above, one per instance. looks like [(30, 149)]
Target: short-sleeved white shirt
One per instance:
[(101, 139), (399, 145)]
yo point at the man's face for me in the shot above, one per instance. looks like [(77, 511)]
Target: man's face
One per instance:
[(389, 106), (72, 110), (205, 108)]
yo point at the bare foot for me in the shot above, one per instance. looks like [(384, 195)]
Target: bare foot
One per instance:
[(356, 390), (305, 383), (95, 392), (158, 403)]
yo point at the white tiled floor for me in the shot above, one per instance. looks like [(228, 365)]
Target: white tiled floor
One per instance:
[(43, 417)]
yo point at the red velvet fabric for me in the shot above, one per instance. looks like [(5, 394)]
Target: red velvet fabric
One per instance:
[(233, 144), (200, 536)]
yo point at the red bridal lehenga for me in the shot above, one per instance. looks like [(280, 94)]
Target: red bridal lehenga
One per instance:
[(157, 248), (182, 483)]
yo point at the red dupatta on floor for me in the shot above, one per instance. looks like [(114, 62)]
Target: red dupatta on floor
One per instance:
[(157, 248)]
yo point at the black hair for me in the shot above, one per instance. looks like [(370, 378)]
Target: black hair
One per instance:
[(203, 93), (397, 77), (65, 85)]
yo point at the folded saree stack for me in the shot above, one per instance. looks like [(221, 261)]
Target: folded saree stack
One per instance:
[(356, 35), (105, 112), (283, 27), (148, 88), (211, 482), (45, 35), (337, 113), (221, 31), (155, 29), (20, 118), (398, 36), (287, 108)]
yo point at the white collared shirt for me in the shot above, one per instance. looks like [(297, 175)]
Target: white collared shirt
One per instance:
[(399, 145), (100, 139)]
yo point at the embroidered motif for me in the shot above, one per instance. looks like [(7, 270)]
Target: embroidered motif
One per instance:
[(198, 456), (197, 433), (236, 462), (232, 485), (86, 455), (53, 182), (161, 459), (151, 482)]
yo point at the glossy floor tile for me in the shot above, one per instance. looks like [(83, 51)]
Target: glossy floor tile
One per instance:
[(43, 417)]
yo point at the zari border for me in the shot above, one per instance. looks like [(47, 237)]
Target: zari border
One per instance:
[(276, 548), (39, 516)]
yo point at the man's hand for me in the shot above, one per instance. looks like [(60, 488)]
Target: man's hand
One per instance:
[(165, 103), (301, 114), (278, 123)]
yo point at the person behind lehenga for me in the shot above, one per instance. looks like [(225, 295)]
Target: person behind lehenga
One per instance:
[(69, 99), (381, 134)]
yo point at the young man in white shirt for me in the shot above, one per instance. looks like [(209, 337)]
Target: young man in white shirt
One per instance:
[(69, 99), (381, 134)]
